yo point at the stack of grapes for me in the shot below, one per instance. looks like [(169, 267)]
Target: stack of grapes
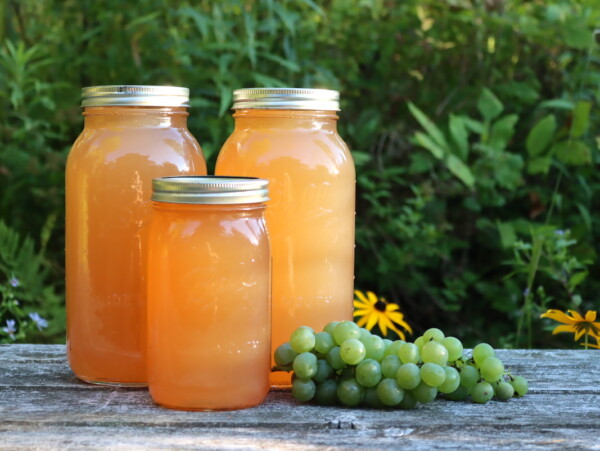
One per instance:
[(347, 364)]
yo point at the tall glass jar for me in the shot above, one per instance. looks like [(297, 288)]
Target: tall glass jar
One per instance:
[(131, 135), (289, 136), (209, 309)]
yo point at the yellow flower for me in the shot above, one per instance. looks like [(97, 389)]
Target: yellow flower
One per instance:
[(373, 310), (575, 323)]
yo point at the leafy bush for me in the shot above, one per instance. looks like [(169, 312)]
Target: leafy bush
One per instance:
[(472, 125)]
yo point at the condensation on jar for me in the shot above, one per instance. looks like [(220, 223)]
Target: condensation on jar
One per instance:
[(209, 305), (131, 135), (289, 136)]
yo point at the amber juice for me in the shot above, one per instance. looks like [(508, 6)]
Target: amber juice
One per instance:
[(310, 215), (208, 306), (108, 186)]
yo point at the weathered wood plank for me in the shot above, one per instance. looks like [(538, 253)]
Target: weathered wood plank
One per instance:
[(43, 405)]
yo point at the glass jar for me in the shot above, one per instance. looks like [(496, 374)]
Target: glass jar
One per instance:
[(131, 135), (289, 136), (209, 309)]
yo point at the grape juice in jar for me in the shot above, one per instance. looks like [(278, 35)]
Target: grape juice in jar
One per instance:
[(131, 135), (289, 136), (209, 310)]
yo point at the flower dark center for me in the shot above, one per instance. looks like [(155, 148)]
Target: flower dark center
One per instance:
[(380, 305)]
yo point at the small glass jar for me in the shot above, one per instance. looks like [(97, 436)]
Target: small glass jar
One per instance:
[(209, 304), (289, 137), (131, 135)]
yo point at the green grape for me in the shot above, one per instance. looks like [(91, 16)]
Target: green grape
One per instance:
[(452, 381), (424, 393), (419, 342), (330, 326), (409, 353), (393, 348), (368, 373), (454, 347), (390, 365), (389, 392), (433, 334), (334, 359), (302, 339), (482, 392), (433, 374), (303, 389), (434, 352), (352, 351), (520, 385), (374, 346), (371, 398), (323, 342), (408, 376), (349, 372), (284, 356), (350, 392), (305, 365), (408, 401), (491, 369), (387, 342), (364, 334), (326, 394), (460, 394), (504, 391), (324, 371), (344, 331), (469, 375), (481, 352)]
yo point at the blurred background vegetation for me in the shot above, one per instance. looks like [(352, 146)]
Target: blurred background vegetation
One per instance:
[(474, 127)]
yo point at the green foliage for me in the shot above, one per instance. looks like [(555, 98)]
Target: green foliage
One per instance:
[(472, 123)]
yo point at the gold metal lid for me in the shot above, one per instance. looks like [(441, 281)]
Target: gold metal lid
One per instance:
[(286, 99), (135, 95), (210, 189)]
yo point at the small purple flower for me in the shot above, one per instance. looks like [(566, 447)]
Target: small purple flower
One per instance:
[(526, 292), (14, 282), (10, 328), (40, 322), (559, 232)]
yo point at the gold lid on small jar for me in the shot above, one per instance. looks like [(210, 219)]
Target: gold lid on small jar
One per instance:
[(135, 95), (210, 189), (286, 99)]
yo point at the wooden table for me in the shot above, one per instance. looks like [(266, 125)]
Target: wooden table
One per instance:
[(43, 406)]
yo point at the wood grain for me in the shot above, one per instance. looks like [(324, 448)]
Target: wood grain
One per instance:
[(43, 406)]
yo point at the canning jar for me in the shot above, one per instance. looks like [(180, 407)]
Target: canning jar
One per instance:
[(289, 136), (209, 308), (131, 135)]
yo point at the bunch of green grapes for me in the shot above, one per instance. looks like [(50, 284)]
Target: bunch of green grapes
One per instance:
[(347, 364)]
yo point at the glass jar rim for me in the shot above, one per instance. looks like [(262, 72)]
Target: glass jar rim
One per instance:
[(286, 99), (210, 189), (135, 95)]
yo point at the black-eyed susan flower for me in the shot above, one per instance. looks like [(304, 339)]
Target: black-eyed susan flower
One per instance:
[(574, 323), (373, 310)]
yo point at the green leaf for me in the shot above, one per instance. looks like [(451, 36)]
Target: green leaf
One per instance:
[(502, 131), (508, 237), (577, 34), (577, 278), (460, 136), (541, 135), (226, 95), (426, 142), (473, 125), (575, 153), (489, 105), (460, 170), (581, 118), (434, 132), (559, 104), (539, 165), (360, 158)]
